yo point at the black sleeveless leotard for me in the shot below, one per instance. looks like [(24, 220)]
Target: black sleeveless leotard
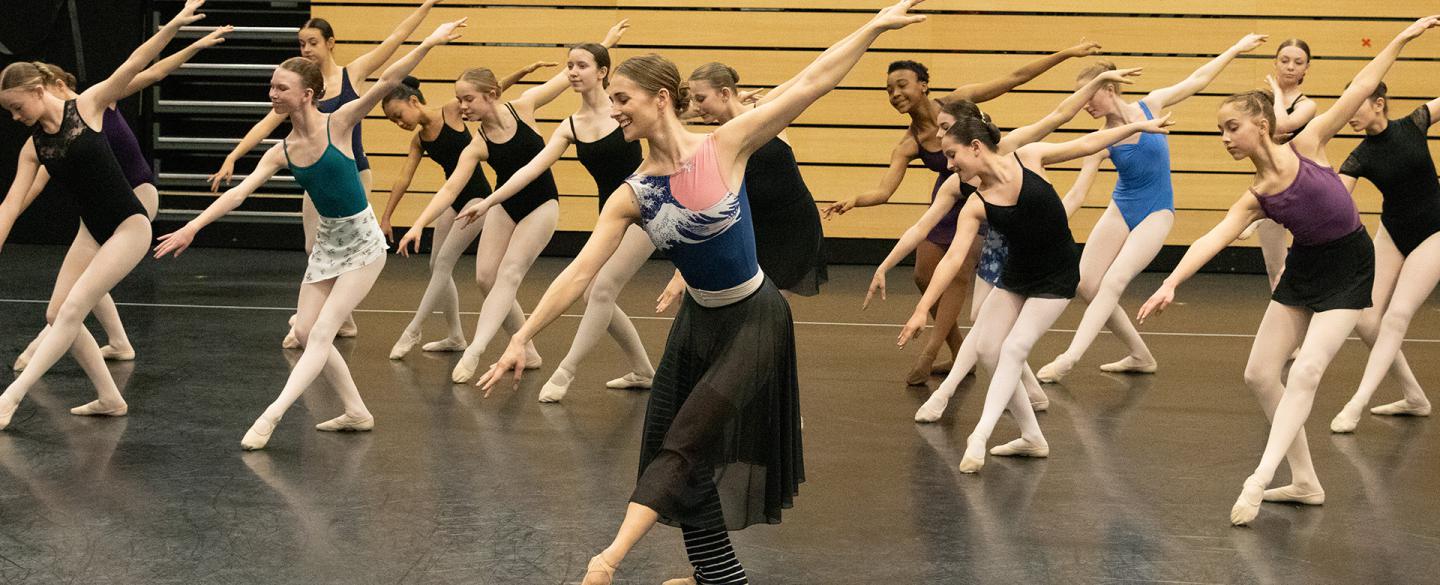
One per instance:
[(80, 161), (445, 150), (510, 156)]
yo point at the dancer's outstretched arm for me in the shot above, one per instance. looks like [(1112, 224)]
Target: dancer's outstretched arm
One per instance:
[(23, 189), (1064, 112), (1044, 153), (945, 199), (177, 241), (537, 97), (257, 133), (402, 185), (361, 68), (1318, 132), (1242, 214), (162, 69), (900, 157), (945, 272), (989, 90), (522, 72), (1168, 96), (619, 213), (93, 101), (468, 165), (1075, 197), (349, 115), (737, 139)]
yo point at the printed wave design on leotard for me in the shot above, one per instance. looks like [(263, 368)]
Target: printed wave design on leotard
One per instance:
[(703, 226), (669, 223)]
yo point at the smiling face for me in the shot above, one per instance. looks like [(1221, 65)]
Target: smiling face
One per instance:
[(638, 111), (1243, 133), (314, 46), (1290, 66), (288, 93), (582, 71), (405, 113), (712, 103), (905, 89), (962, 159)]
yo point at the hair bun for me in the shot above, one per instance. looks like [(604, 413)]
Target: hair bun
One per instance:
[(411, 81), (682, 98)]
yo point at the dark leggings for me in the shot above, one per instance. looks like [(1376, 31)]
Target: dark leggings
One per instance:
[(713, 558)]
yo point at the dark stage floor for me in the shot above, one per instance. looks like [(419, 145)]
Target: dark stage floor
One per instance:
[(451, 488)]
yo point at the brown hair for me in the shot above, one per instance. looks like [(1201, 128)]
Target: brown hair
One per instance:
[(322, 25), (970, 128), (1095, 70), (601, 55), (310, 76), (1257, 103), (961, 108), (63, 76), (717, 74), (28, 74), (654, 73), (483, 79)]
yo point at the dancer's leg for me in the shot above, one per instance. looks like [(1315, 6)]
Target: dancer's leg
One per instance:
[(112, 262), (946, 312), (1274, 249), (1032, 318), (323, 307), (1106, 281), (966, 359), (440, 292), (522, 246), (1279, 335), (602, 315), (713, 557), (1410, 285), (1323, 337), (117, 342), (77, 258)]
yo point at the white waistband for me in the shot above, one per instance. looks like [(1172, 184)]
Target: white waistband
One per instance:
[(734, 294)]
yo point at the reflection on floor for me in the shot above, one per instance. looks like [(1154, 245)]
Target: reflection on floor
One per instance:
[(452, 488)]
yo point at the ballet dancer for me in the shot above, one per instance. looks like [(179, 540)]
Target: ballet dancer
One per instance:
[(1133, 228), (443, 143), (1041, 270), (115, 226), (1328, 277), (908, 87), (1293, 110), (721, 447), (142, 181), (1395, 156), (609, 158), (343, 84), (509, 241), (993, 249), (349, 248)]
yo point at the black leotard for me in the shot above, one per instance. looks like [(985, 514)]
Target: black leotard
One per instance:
[(1397, 161), (789, 241), (80, 161), (609, 160), (445, 150), (509, 156), (1044, 260)]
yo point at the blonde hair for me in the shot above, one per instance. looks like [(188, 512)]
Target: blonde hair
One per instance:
[(654, 73), (717, 74), (1095, 70), (1257, 103), (310, 76), (483, 79), (28, 74)]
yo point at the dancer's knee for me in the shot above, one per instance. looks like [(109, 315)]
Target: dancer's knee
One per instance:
[(1305, 373), (1260, 376)]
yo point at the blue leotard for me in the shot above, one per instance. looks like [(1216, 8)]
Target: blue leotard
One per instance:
[(1144, 167)]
